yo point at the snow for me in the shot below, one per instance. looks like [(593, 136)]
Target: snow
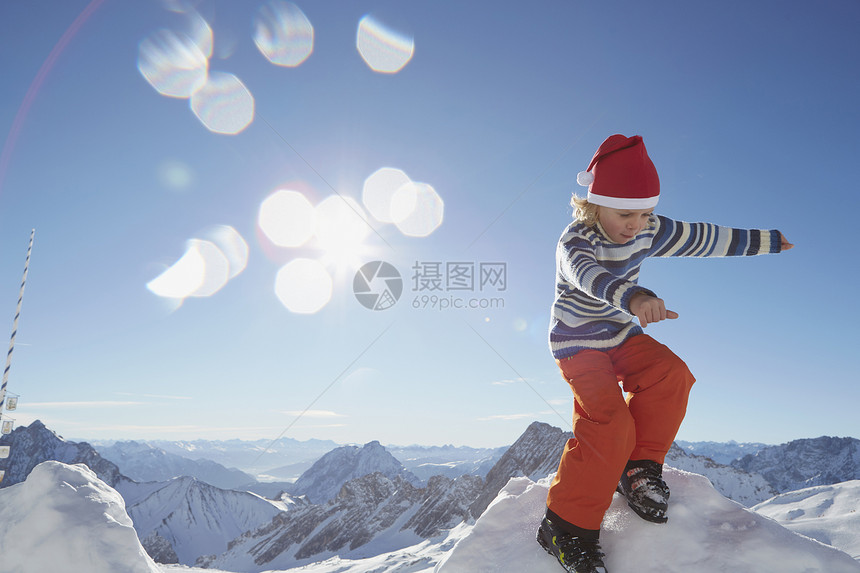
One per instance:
[(706, 533), (827, 513), (194, 517), (64, 519)]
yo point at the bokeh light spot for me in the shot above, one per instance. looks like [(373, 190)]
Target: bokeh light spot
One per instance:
[(287, 218), (202, 271), (223, 104), (216, 267), (382, 49), (379, 189), (417, 209), (175, 175), (172, 63), (232, 246), (304, 286), (341, 230), (283, 33), (201, 33), (340, 220)]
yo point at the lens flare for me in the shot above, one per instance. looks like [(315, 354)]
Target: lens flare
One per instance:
[(175, 175), (287, 218), (201, 33), (202, 271), (223, 104), (303, 286), (283, 33), (341, 230), (382, 49), (379, 189), (417, 209), (172, 63), (232, 246), (340, 220)]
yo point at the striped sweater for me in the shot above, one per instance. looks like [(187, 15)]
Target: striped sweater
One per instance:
[(596, 278)]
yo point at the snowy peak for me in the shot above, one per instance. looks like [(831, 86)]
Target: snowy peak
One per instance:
[(370, 515), (326, 477), (736, 484), (185, 518), (63, 518), (535, 454), (31, 445), (804, 463), (706, 533)]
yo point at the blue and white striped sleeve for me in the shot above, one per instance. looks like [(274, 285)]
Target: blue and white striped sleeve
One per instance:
[(680, 239), (578, 266)]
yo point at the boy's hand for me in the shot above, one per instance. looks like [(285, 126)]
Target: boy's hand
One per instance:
[(649, 309), (784, 244)]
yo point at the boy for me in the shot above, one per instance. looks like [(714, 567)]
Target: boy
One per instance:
[(619, 444)]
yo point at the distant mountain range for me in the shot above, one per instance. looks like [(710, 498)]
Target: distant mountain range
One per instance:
[(283, 460), (144, 462), (804, 463), (361, 500), (255, 457), (720, 452)]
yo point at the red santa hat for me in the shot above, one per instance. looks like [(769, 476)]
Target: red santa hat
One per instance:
[(621, 175)]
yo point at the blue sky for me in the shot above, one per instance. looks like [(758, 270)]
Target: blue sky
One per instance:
[(748, 110)]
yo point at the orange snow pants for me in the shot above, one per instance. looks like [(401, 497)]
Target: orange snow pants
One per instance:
[(609, 430)]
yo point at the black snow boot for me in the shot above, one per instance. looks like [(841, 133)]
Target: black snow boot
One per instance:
[(577, 554), (646, 492)]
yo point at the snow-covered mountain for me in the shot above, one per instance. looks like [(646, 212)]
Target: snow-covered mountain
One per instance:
[(804, 463), (253, 457), (738, 485), (706, 533), (177, 521), (720, 452), (827, 513), (184, 518), (535, 454), (34, 444), (324, 479), (64, 519), (370, 515), (379, 523), (143, 462), (449, 461)]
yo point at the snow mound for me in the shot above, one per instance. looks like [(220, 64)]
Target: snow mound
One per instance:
[(65, 519), (827, 513), (706, 533)]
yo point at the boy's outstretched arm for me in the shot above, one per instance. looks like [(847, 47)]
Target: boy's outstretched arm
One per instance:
[(649, 309)]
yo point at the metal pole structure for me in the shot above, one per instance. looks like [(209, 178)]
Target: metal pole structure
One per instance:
[(15, 325)]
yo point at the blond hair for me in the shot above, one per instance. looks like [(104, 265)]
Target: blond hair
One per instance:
[(583, 211), (588, 213)]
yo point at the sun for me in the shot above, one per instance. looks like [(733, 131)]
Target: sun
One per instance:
[(342, 229)]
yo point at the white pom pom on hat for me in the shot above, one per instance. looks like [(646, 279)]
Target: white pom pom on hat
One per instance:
[(621, 175), (585, 178)]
